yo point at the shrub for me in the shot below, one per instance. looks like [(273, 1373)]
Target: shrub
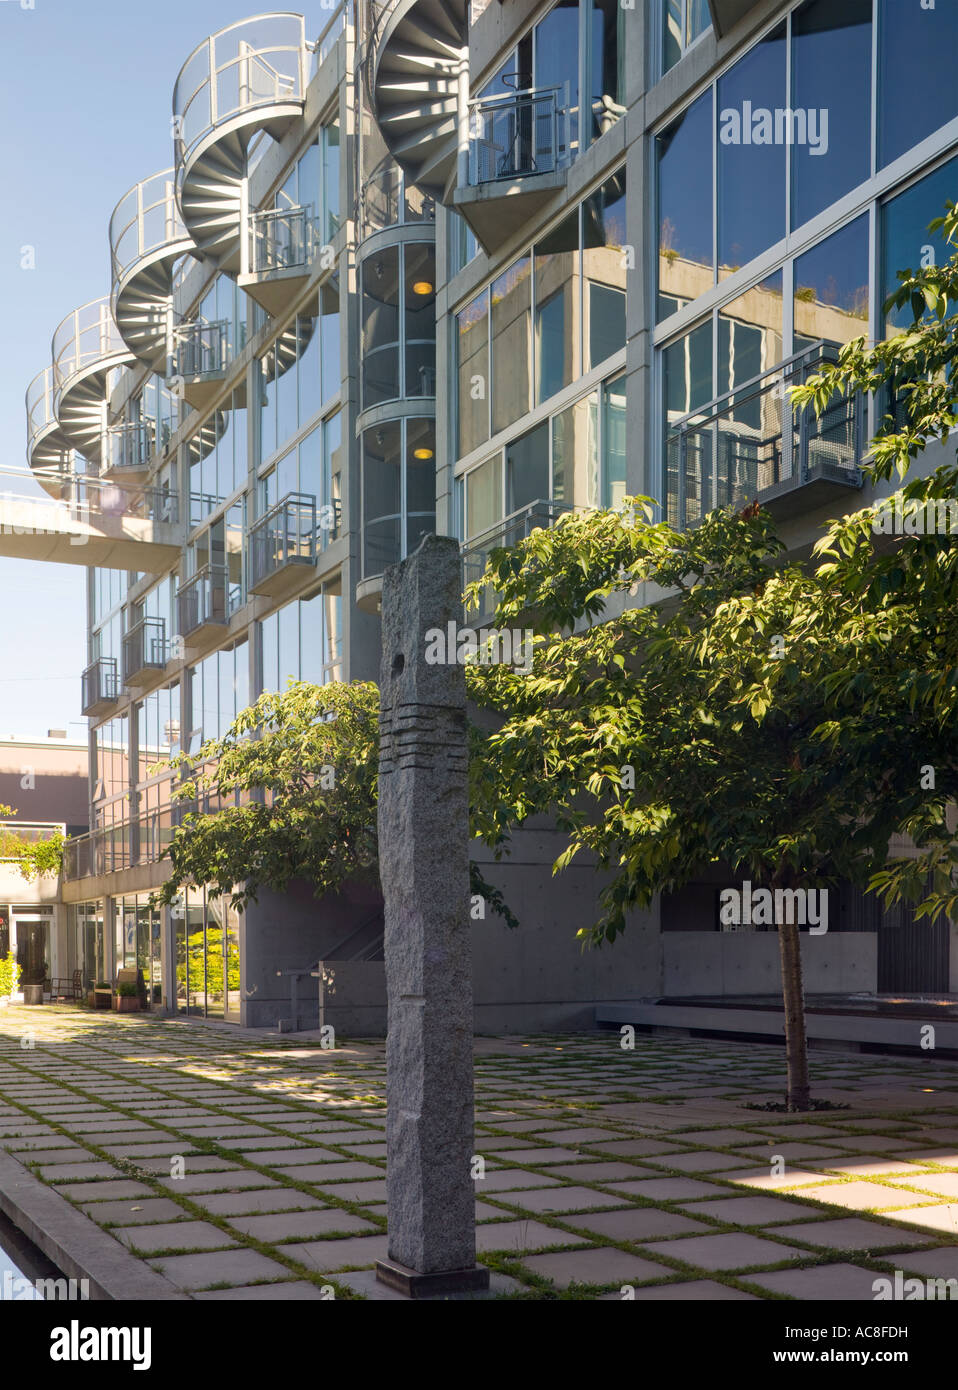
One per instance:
[(9, 975)]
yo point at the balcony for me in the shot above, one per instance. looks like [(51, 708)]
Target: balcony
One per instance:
[(281, 544), (201, 603), (540, 514), (520, 145), (245, 80), (100, 687), (147, 238), (145, 651), (282, 244), (201, 356), (748, 445), (131, 447)]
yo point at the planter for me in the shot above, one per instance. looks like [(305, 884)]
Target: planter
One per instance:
[(127, 1005), (102, 998), (33, 994), (91, 998)]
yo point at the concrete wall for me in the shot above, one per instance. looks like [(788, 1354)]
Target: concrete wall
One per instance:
[(713, 963), (46, 782)]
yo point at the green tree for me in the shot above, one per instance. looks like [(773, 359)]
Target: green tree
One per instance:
[(776, 718), (33, 857)]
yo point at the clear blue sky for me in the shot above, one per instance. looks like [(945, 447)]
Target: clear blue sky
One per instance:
[(85, 106)]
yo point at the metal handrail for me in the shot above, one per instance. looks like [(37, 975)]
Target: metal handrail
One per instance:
[(266, 247), (202, 598), (737, 394), (272, 545), (132, 443), (289, 26), (329, 35), (99, 681), (202, 349), (87, 336), (135, 213), (521, 150), (145, 647)]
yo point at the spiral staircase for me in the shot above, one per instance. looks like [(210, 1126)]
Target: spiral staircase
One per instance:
[(87, 348), (417, 51), (147, 238), (247, 80), (49, 453)]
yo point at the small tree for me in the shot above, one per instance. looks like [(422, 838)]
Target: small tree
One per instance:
[(32, 857)]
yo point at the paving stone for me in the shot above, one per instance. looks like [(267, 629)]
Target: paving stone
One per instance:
[(292, 1225), (633, 1148), (506, 1179), (322, 1173), (704, 1161), (560, 1199), (581, 1136), (540, 1157), (762, 1178), (728, 1250), (364, 1192), (700, 1290), (865, 1166), (791, 1151), (749, 1211), (290, 1291), (518, 1236), (862, 1196), (355, 1252), (825, 1283), (944, 1184), (372, 1150), (604, 1265), (637, 1224), (943, 1217), (848, 1234), (106, 1191), (943, 1158), (176, 1235), (599, 1172), (217, 1181), (71, 1172), (270, 1157), (132, 1213), (665, 1189), (935, 1264), (233, 1266), (64, 1155)]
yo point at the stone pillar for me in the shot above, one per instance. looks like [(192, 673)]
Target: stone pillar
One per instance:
[(424, 867)]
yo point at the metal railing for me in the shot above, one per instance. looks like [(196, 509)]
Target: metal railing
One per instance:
[(282, 238), (202, 349), (329, 37), (202, 599), (285, 535), (145, 648), (540, 514), (99, 684), (85, 338), (516, 134), (749, 440), (386, 201), (253, 63), (132, 444), (145, 220)]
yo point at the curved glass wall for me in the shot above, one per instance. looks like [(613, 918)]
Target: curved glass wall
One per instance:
[(398, 490), (399, 323)]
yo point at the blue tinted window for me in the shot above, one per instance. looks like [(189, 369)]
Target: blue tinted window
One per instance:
[(831, 288), (751, 163), (685, 207), (906, 242), (831, 80), (917, 91)]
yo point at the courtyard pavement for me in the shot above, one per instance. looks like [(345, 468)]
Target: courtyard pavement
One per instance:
[(250, 1167)]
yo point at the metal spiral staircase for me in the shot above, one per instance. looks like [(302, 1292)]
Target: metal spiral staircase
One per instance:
[(147, 238), (418, 56), (248, 79), (49, 453), (87, 348)]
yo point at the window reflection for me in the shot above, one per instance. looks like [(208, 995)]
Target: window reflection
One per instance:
[(473, 358), (685, 207), (604, 268), (831, 288), (511, 307), (916, 74), (556, 281), (906, 243)]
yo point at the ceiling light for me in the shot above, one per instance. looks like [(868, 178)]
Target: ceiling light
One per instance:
[(422, 453), (422, 287)]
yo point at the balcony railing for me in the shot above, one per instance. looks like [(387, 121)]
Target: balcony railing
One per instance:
[(748, 444), (85, 338), (145, 648), (142, 840), (540, 514), (282, 239), (131, 445), (100, 686), (145, 220), (202, 349), (202, 601), (280, 542), (517, 134)]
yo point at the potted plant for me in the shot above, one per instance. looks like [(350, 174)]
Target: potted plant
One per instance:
[(102, 995), (127, 998)]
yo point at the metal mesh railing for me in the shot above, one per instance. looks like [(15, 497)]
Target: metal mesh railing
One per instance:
[(516, 134), (282, 238), (99, 684), (285, 535), (202, 599)]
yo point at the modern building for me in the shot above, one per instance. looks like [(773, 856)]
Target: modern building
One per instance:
[(420, 265)]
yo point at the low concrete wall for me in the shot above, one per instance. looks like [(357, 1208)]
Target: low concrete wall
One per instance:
[(710, 963), (355, 997)]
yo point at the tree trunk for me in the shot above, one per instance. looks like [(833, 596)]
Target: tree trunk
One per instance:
[(799, 1094)]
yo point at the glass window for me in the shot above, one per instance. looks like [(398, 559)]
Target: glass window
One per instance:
[(917, 92), (682, 23), (331, 179), (751, 165), (750, 334), (556, 58), (604, 267), (574, 456), (831, 288), (511, 311), (613, 441), (528, 468), (382, 497), (484, 496), (266, 375), (687, 385), (607, 47), (287, 412), (419, 263), (380, 276), (685, 207), (473, 356), (831, 81), (420, 481), (557, 339), (308, 367), (329, 335), (906, 243)]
